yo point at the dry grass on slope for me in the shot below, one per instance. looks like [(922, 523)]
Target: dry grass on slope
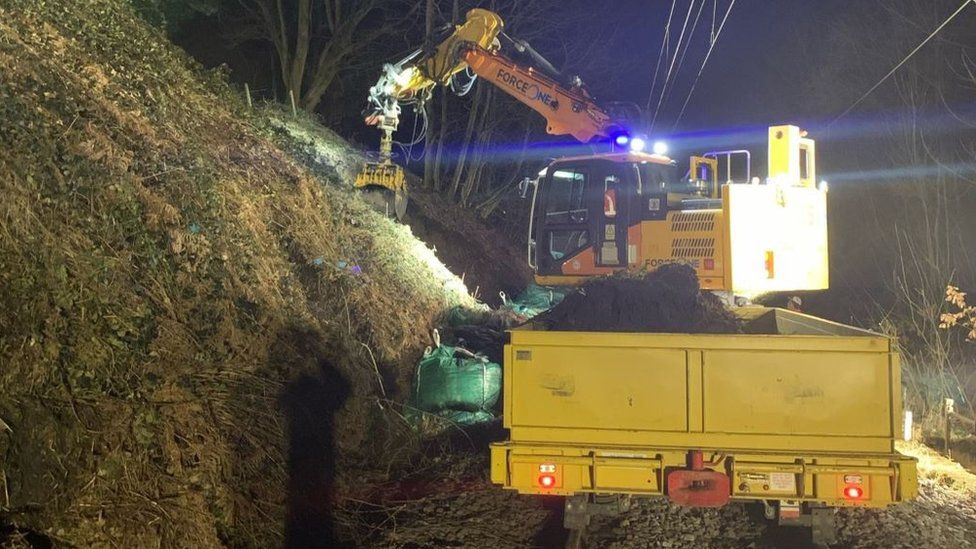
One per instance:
[(178, 300)]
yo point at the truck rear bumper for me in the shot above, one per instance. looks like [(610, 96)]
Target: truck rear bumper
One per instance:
[(832, 479)]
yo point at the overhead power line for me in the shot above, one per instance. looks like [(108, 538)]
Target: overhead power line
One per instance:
[(704, 62), (694, 26), (660, 54), (938, 29), (677, 48)]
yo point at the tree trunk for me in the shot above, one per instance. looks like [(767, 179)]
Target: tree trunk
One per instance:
[(320, 84), (296, 72), (441, 138), (468, 132), (442, 120), (279, 34), (345, 37), (473, 181)]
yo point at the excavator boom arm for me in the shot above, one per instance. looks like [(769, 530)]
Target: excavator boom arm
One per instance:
[(472, 46), (568, 111)]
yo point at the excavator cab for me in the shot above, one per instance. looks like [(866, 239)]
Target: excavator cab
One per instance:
[(588, 212), (594, 215)]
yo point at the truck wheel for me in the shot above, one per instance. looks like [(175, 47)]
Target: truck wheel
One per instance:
[(574, 539), (576, 517), (822, 529)]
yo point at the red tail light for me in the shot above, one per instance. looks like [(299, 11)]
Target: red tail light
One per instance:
[(853, 492), (547, 481)]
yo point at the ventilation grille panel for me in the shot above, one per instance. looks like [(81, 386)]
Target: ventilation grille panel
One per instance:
[(693, 221), (684, 248)]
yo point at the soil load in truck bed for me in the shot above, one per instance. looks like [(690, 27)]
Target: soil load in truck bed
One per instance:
[(667, 299)]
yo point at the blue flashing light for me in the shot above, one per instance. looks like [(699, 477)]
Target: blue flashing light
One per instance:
[(622, 140)]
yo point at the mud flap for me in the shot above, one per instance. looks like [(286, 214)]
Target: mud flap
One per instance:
[(576, 517), (580, 508)]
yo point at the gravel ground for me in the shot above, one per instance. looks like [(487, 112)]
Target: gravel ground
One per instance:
[(656, 523), (944, 515), (940, 517), (474, 519)]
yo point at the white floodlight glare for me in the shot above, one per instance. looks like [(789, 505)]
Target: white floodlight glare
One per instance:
[(637, 144), (661, 148), (823, 185)]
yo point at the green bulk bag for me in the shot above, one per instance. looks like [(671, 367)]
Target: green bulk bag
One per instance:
[(450, 378), (461, 315), (536, 299)]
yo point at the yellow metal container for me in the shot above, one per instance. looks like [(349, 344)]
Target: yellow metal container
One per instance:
[(796, 409)]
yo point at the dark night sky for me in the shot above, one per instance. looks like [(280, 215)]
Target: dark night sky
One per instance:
[(776, 61)]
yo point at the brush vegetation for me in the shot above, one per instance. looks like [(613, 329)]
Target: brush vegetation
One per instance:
[(168, 270)]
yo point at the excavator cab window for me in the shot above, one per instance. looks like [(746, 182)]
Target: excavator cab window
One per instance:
[(566, 215), (584, 215), (659, 177), (566, 201), (804, 163), (617, 190)]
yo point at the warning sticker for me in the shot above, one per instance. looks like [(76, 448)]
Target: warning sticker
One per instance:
[(782, 482)]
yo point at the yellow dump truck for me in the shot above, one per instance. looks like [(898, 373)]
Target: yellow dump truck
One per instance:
[(797, 413)]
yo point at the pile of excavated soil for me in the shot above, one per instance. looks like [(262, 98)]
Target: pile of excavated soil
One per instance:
[(483, 331), (667, 299)]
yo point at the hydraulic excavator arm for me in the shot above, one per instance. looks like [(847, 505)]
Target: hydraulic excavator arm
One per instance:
[(475, 47), (568, 110)]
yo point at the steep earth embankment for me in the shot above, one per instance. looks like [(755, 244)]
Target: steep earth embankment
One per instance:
[(198, 333), (482, 256)]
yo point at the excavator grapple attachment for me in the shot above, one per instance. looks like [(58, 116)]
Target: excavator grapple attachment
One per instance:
[(386, 187)]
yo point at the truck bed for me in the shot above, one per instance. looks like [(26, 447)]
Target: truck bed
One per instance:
[(793, 392)]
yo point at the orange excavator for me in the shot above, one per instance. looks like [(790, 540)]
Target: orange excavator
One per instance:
[(626, 208), (474, 48)]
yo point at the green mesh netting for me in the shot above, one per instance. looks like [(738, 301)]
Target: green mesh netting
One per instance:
[(466, 418), (460, 315)]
